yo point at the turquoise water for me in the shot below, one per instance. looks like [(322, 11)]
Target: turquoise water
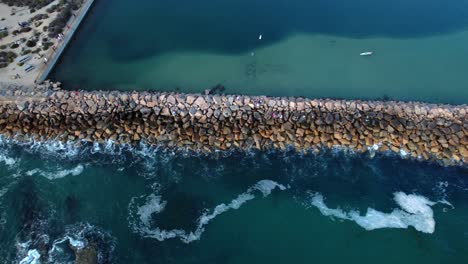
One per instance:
[(137, 204), (294, 48), (144, 205)]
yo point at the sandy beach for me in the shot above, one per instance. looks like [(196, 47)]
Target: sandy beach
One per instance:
[(33, 43), (13, 16)]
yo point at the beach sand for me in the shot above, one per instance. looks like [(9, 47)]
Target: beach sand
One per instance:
[(9, 74)]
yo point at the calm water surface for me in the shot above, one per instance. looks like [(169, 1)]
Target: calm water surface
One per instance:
[(275, 47)]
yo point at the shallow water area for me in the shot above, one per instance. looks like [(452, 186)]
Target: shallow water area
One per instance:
[(135, 204), (260, 47)]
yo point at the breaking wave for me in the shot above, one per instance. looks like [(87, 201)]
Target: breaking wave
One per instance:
[(140, 216), (415, 211)]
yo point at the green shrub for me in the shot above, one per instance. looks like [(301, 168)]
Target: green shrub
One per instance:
[(57, 25), (32, 4), (25, 29), (8, 56), (30, 43)]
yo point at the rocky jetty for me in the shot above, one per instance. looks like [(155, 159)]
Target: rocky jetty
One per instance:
[(221, 122)]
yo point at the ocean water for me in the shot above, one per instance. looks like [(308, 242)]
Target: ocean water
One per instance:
[(274, 47), (138, 204), (149, 205)]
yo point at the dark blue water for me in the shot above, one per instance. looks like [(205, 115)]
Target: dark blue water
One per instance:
[(131, 202), (146, 28), (145, 205), (289, 48)]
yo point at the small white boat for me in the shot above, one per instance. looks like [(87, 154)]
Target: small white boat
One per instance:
[(367, 53)]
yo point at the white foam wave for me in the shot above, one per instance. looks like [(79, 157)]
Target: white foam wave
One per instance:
[(403, 153), (415, 211), (154, 205), (33, 257), (7, 160), (57, 174)]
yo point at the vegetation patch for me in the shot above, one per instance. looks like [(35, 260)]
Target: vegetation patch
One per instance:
[(46, 45), (30, 43), (25, 29), (58, 24), (32, 4), (3, 34), (39, 17), (6, 57)]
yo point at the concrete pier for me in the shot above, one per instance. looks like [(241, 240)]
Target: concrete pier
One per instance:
[(68, 34)]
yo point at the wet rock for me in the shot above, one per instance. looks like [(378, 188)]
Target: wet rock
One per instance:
[(455, 128), (257, 116), (227, 112), (171, 100), (201, 103), (87, 255), (329, 118), (145, 111), (190, 99)]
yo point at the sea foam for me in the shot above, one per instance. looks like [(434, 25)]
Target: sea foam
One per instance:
[(155, 205), (415, 211), (5, 157), (33, 257), (57, 174), (7, 160)]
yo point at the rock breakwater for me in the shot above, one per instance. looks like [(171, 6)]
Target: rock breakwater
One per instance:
[(221, 122)]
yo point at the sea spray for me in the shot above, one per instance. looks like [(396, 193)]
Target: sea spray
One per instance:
[(140, 216)]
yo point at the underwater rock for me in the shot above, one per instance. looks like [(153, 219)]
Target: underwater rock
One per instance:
[(86, 255)]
